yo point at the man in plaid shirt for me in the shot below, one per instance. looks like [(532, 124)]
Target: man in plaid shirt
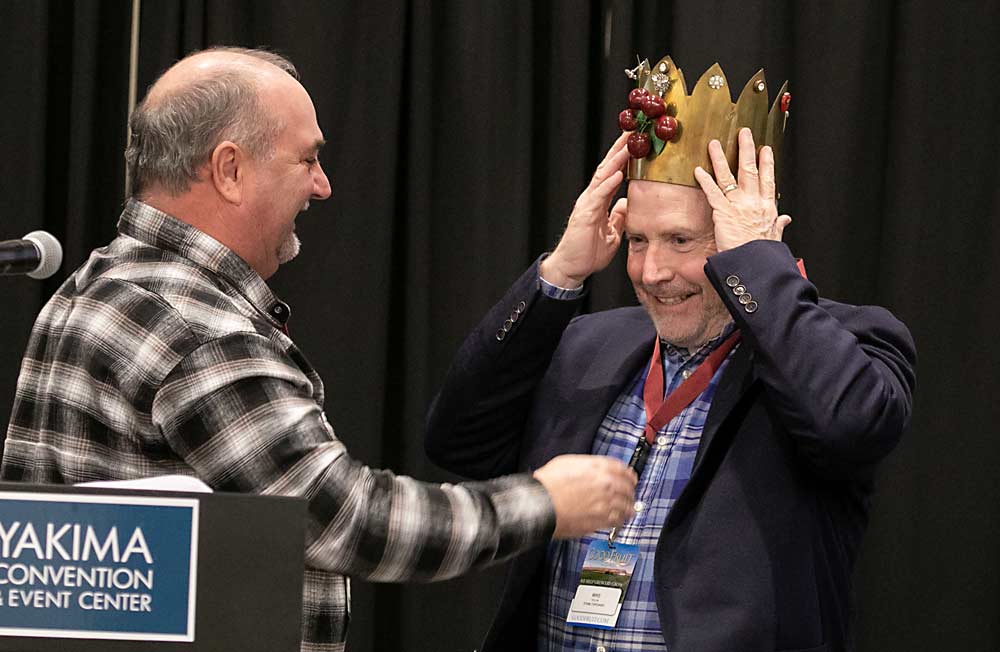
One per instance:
[(166, 353)]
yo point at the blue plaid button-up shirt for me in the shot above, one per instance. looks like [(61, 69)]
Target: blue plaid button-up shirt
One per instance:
[(667, 471)]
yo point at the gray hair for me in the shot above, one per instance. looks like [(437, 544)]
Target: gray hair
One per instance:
[(175, 134)]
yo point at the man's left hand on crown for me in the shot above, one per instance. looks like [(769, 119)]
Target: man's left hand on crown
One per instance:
[(744, 208), (592, 234)]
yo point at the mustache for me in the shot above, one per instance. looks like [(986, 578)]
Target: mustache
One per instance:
[(667, 291)]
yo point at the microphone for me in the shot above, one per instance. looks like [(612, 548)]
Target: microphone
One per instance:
[(38, 255)]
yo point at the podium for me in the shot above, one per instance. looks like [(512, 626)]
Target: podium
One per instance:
[(112, 570)]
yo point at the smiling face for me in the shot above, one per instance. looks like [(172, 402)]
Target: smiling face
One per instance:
[(284, 182), (670, 235)]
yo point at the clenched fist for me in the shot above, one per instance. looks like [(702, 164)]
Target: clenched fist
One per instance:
[(590, 492)]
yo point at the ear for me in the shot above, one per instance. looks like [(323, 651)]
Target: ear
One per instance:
[(228, 167)]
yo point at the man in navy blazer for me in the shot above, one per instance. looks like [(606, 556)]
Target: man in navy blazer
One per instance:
[(754, 498)]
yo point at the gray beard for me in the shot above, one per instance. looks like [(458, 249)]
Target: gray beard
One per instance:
[(289, 248)]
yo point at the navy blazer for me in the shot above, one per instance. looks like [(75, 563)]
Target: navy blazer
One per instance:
[(757, 552)]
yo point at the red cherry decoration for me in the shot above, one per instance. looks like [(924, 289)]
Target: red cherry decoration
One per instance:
[(636, 97), (628, 120), (666, 127), (653, 106), (639, 144), (786, 101)]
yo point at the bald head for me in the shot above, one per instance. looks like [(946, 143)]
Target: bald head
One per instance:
[(204, 99), (251, 64)]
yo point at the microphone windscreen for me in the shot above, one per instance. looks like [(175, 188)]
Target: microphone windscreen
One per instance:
[(50, 253)]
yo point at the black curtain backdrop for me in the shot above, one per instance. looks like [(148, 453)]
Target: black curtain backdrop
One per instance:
[(459, 136)]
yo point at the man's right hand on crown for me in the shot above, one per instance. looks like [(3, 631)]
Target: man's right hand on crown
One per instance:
[(592, 235), (589, 492)]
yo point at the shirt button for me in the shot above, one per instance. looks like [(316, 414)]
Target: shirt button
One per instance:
[(686, 374), (601, 648), (662, 440), (639, 506)]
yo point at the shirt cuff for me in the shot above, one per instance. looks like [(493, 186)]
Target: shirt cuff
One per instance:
[(556, 292), (525, 514)]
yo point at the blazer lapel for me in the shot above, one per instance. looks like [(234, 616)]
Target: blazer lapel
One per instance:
[(735, 381), (615, 363), (733, 385)]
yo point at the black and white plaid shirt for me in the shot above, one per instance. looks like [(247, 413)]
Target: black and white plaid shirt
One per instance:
[(165, 353)]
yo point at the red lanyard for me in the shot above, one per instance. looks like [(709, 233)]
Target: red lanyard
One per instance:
[(660, 410)]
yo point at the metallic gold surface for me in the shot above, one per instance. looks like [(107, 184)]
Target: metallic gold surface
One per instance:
[(705, 114)]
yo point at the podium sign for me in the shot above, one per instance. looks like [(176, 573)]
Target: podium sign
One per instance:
[(87, 569), (105, 567)]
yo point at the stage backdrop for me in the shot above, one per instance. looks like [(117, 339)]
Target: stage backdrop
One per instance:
[(459, 136)]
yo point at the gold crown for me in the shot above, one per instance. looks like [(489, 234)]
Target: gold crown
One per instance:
[(707, 113)]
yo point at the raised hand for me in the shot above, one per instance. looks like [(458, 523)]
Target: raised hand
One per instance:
[(589, 492), (592, 235), (745, 209)]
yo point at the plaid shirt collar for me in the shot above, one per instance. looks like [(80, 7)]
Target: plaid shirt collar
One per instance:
[(681, 356), (157, 229)]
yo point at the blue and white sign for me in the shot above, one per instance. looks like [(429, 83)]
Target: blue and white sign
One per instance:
[(103, 567)]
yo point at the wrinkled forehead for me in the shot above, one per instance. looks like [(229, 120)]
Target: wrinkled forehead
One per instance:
[(653, 205)]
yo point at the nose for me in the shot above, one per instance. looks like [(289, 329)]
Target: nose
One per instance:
[(657, 266), (321, 184)]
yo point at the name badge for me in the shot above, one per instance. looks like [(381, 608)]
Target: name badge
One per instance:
[(604, 578)]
